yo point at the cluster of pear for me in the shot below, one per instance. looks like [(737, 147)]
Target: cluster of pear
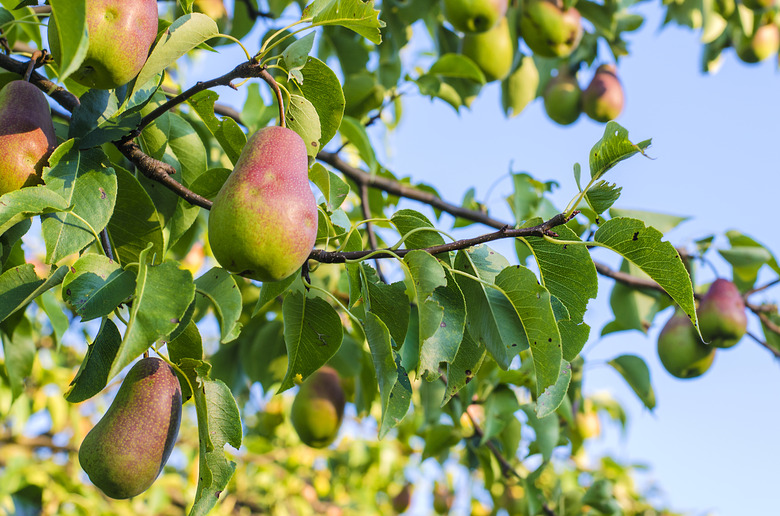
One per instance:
[(722, 322), (318, 408), (126, 450), (602, 100), (755, 39), (121, 32)]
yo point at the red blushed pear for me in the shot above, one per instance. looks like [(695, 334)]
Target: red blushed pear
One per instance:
[(26, 135), (474, 15), (263, 223), (722, 318), (121, 32), (548, 29), (603, 99), (318, 408), (681, 351)]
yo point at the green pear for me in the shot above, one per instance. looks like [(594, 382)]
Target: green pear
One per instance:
[(401, 501), (759, 5), (519, 89), (722, 318), (764, 42), (263, 223), (362, 93), (442, 499), (603, 99), (26, 135), (318, 408), (563, 98), (126, 450), (493, 51), (121, 32), (474, 15), (681, 351), (549, 30)]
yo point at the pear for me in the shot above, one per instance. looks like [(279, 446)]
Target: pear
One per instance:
[(603, 99), (26, 135), (764, 42), (492, 51), (519, 89), (318, 408), (126, 450), (121, 32), (680, 350), (563, 98), (401, 501), (474, 15), (722, 318), (759, 5), (263, 223), (549, 30), (442, 499)]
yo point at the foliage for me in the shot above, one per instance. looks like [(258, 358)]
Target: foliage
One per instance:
[(455, 361)]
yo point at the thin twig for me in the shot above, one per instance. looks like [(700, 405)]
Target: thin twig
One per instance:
[(254, 13), (762, 287), (372, 241)]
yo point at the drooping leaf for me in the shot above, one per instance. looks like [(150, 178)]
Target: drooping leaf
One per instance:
[(303, 119), (186, 350), (71, 19), (312, 333), (613, 148), (500, 408), (466, 364), (92, 376), (95, 285), (643, 247), (388, 302), (22, 204), (602, 195), (546, 429), (552, 397), (16, 285), (18, 350), (360, 17), (322, 88), (219, 287), (263, 352), (636, 373), (333, 188)]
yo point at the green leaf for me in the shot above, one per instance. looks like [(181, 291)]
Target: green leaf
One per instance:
[(135, 222), (500, 408), (643, 247), (636, 373), (273, 289), (92, 376), (226, 131), (663, 222), (602, 195), (613, 148), (312, 334), (95, 285), (188, 150), (491, 319), (90, 187), (16, 286), (219, 287), (71, 19), (634, 309), (322, 88), (457, 65), (532, 303), (574, 336), (209, 183), (395, 389), (360, 17), (406, 221), (186, 351), (333, 188), (28, 202), (303, 119), (183, 35), (552, 397), (263, 353), (219, 423), (567, 272), (466, 364), (599, 496), (162, 295), (547, 431), (54, 279), (355, 133), (19, 352), (388, 302), (296, 55), (58, 318)]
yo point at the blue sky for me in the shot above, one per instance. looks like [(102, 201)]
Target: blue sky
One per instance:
[(711, 442)]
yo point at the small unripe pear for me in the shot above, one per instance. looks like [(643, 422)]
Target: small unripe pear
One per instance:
[(563, 99), (519, 89), (26, 135), (680, 350), (263, 222), (764, 42), (474, 15), (318, 408), (722, 318), (548, 30), (121, 32), (603, 99), (493, 51), (126, 450)]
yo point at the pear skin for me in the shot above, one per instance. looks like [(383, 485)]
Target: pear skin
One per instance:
[(722, 318), (318, 408), (493, 51), (26, 135), (563, 99), (603, 99), (519, 89), (263, 223), (548, 30), (474, 15), (681, 352), (121, 32), (764, 42), (126, 450)]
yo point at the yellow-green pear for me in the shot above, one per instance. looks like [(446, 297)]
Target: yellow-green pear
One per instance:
[(492, 51), (126, 450), (519, 89), (563, 98), (474, 15), (26, 135), (764, 42), (681, 351), (318, 408), (549, 30), (121, 32), (263, 222)]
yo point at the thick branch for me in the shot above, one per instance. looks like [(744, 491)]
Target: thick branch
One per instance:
[(63, 97)]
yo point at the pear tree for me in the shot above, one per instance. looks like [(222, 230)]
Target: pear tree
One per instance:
[(290, 340)]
